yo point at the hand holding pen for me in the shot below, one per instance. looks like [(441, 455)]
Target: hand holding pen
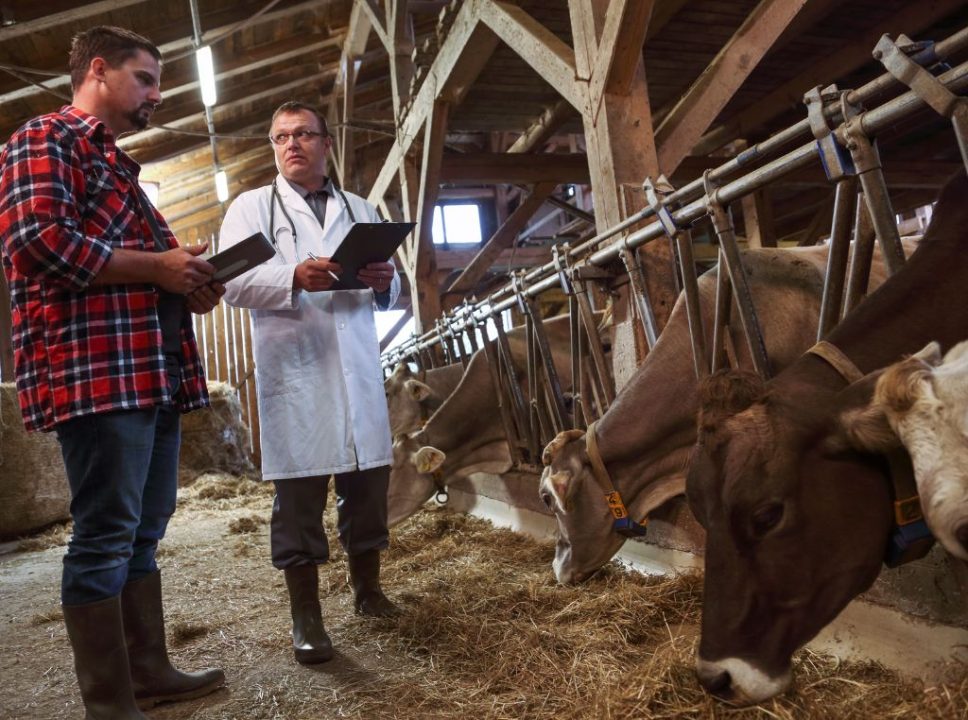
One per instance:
[(315, 274)]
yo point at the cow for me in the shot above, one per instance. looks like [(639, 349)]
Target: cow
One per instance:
[(921, 403), (647, 434), (466, 434), (413, 397), (795, 529)]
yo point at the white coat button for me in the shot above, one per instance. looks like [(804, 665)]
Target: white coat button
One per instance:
[(342, 325)]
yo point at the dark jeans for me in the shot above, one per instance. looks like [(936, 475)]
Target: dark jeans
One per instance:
[(122, 468), (297, 536)]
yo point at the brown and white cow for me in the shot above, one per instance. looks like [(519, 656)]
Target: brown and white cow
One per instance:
[(647, 435), (794, 531), (921, 403), (413, 397), (465, 435)]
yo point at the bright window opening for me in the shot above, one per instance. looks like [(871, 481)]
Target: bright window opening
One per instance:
[(457, 224)]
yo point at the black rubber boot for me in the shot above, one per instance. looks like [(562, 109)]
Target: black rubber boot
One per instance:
[(152, 676), (365, 576), (101, 660), (310, 643)]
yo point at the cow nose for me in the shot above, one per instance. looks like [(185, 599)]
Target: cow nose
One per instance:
[(961, 532), (716, 683)]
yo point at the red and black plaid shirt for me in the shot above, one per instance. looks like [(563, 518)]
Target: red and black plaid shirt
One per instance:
[(67, 199)]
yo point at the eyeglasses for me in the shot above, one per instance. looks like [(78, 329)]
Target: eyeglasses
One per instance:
[(300, 136)]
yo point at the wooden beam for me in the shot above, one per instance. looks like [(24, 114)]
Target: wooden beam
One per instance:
[(911, 18), (697, 109), (78, 16), (510, 168), (463, 41), (544, 51), (758, 219), (543, 128), (400, 50), (819, 223), (501, 240), (373, 13), (511, 258), (427, 305), (620, 48), (621, 151)]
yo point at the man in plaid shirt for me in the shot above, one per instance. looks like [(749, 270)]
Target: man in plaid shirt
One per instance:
[(105, 357)]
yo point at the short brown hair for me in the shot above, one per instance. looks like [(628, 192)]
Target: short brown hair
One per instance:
[(114, 44), (294, 106)]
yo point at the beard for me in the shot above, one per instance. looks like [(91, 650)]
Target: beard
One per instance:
[(139, 118)]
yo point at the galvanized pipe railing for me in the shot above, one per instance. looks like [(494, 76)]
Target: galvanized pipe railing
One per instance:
[(545, 277)]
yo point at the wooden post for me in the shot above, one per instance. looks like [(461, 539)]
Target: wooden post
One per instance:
[(6, 333)]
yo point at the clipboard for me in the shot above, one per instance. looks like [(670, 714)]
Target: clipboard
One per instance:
[(241, 257), (366, 243)]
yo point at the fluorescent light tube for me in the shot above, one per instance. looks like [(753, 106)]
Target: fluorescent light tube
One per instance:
[(221, 186), (206, 74)]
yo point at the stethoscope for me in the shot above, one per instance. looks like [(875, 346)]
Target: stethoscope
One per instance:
[(276, 198)]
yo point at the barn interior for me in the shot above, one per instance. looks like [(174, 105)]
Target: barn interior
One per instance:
[(525, 139)]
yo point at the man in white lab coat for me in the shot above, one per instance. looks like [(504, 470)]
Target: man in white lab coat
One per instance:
[(322, 407)]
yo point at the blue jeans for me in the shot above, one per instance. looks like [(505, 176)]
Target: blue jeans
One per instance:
[(122, 468)]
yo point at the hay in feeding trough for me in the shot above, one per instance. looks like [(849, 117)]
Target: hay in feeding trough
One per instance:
[(503, 641), (485, 633)]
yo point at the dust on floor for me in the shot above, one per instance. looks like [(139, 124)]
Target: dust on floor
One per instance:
[(485, 633)]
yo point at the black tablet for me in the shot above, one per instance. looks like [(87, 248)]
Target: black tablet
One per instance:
[(366, 243), (242, 256)]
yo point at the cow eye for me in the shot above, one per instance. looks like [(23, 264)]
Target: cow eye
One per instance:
[(766, 518), (546, 498)]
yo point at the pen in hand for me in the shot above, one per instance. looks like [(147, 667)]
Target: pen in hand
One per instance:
[(331, 273)]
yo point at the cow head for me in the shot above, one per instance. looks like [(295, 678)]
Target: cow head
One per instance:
[(568, 488), (412, 481), (419, 470), (922, 403), (793, 533), (406, 398), (587, 538)]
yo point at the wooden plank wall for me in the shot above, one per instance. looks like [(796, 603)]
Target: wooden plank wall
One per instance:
[(225, 344)]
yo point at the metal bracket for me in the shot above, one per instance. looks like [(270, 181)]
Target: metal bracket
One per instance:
[(517, 287), (559, 256), (655, 195), (836, 161), (895, 59)]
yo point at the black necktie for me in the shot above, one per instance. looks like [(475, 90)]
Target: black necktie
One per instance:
[(317, 203)]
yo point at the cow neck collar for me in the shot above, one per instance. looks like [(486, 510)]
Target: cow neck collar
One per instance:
[(910, 537), (622, 522), (836, 358)]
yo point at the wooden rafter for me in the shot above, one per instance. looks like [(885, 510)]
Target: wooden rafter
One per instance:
[(424, 276), (912, 18), (501, 240), (541, 130), (547, 54), (620, 48), (682, 128), (489, 168)]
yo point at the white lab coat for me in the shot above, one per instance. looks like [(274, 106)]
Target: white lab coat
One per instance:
[(322, 408)]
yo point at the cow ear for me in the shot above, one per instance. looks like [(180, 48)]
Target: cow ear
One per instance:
[(560, 440), (727, 393), (903, 383), (931, 353), (865, 428), (428, 459), (417, 390)]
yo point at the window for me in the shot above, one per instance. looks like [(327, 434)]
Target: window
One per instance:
[(457, 224), (385, 322)]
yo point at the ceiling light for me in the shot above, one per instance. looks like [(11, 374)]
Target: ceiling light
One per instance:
[(206, 74)]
